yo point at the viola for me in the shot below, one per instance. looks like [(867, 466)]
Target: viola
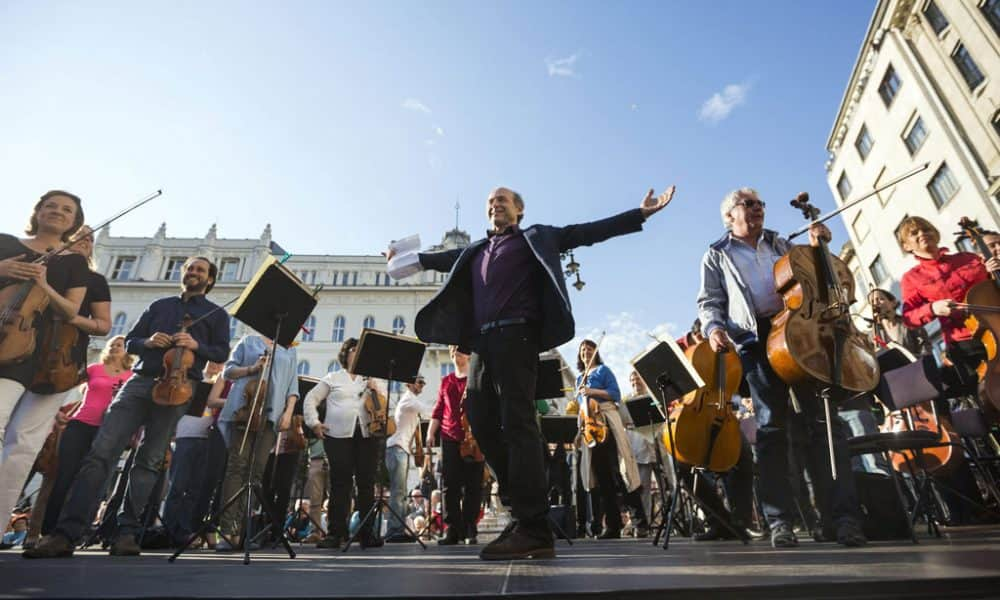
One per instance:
[(58, 370), (254, 399), (469, 448), (379, 423), (296, 437), (47, 461), (173, 388), (983, 303), (418, 447), (593, 425), (813, 338), (703, 426)]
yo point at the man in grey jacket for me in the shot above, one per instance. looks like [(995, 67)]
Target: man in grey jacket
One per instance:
[(735, 304)]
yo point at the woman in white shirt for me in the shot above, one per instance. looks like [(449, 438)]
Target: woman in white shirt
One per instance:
[(350, 448)]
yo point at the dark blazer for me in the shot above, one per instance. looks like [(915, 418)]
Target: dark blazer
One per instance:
[(448, 317)]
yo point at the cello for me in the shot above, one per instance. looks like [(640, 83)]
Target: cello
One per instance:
[(704, 431), (982, 302)]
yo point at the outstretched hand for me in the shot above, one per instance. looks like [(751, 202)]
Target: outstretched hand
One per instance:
[(652, 204)]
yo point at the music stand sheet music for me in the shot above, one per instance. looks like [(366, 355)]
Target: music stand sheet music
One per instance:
[(665, 358), (272, 292)]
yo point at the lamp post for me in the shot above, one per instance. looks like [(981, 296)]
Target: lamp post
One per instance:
[(573, 270)]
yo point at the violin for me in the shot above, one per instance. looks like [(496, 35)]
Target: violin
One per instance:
[(23, 304), (703, 426), (813, 338), (418, 450), (58, 371), (173, 388), (469, 448), (295, 440), (379, 423), (47, 461), (982, 301), (255, 399)]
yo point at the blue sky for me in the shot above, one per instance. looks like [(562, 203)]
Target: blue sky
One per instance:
[(345, 125)]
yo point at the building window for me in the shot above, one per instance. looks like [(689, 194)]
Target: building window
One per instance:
[(309, 329), (844, 186), (398, 325), (230, 269), (339, 325), (354, 278), (369, 322), (968, 67), (942, 186), (233, 324), (303, 367), (124, 268), (964, 244), (118, 325), (860, 226), (878, 270), (935, 17), (396, 387), (889, 86), (864, 142), (333, 367), (991, 10), (446, 369), (175, 266), (996, 116), (915, 136)]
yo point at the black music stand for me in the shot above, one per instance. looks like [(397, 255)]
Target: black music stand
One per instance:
[(664, 365), (278, 303), (562, 430), (391, 357), (549, 383)]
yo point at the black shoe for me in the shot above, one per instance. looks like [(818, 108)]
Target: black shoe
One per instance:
[(715, 532), (610, 534), (849, 534), (471, 541), (330, 542), (125, 545), (400, 538), (370, 540), (53, 545), (521, 542), (782, 536), (451, 538)]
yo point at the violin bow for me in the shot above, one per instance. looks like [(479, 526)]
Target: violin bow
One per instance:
[(876, 191)]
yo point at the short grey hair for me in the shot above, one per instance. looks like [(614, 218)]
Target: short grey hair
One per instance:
[(729, 202)]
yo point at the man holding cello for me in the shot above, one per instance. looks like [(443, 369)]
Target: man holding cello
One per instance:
[(164, 358), (736, 301)]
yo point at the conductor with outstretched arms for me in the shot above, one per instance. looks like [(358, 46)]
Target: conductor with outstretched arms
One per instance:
[(505, 298)]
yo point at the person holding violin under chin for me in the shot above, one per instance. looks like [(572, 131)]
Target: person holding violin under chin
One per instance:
[(351, 446), (32, 295), (264, 414), (736, 302), (173, 339)]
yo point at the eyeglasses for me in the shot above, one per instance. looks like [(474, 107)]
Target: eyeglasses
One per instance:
[(749, 203)]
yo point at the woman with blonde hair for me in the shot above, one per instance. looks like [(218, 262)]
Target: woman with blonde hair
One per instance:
[(104, 379)]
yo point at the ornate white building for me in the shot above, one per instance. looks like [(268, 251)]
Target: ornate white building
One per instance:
[(355, 290), (923, 90)]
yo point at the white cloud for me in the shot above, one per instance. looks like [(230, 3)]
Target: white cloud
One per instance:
[(635, 107), (562, 67), (429, 142), (722, 103), (416, 105), (624, 338), (439, 131)]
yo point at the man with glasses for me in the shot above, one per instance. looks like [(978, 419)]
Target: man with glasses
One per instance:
[(397, 458), (735, 304)]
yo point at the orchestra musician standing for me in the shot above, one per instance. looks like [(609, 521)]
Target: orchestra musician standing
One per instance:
[(506, 299), (350, 446), (155, 333), (27, 412), (248, 365), (736, 301), (462, 477), (397, 458)]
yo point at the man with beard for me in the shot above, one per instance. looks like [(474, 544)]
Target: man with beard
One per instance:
[(155, 333)]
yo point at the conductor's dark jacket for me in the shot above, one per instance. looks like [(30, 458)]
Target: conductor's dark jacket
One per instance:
[(448, 317)]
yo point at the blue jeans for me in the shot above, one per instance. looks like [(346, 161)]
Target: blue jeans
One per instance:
[(187, 477), (131, 409), (397, 462), (862, 422), (838, 499)]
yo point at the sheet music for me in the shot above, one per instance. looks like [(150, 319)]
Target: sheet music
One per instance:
[(405, 261)]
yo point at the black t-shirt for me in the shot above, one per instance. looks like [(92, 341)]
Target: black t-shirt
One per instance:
[(97, 291), (64, 272)]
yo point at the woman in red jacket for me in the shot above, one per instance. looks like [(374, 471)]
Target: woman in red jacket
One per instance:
[(939, 279)]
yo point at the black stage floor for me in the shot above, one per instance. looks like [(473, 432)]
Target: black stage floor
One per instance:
[(964, 563)]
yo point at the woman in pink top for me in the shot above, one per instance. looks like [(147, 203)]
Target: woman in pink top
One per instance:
[(104, 379)]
